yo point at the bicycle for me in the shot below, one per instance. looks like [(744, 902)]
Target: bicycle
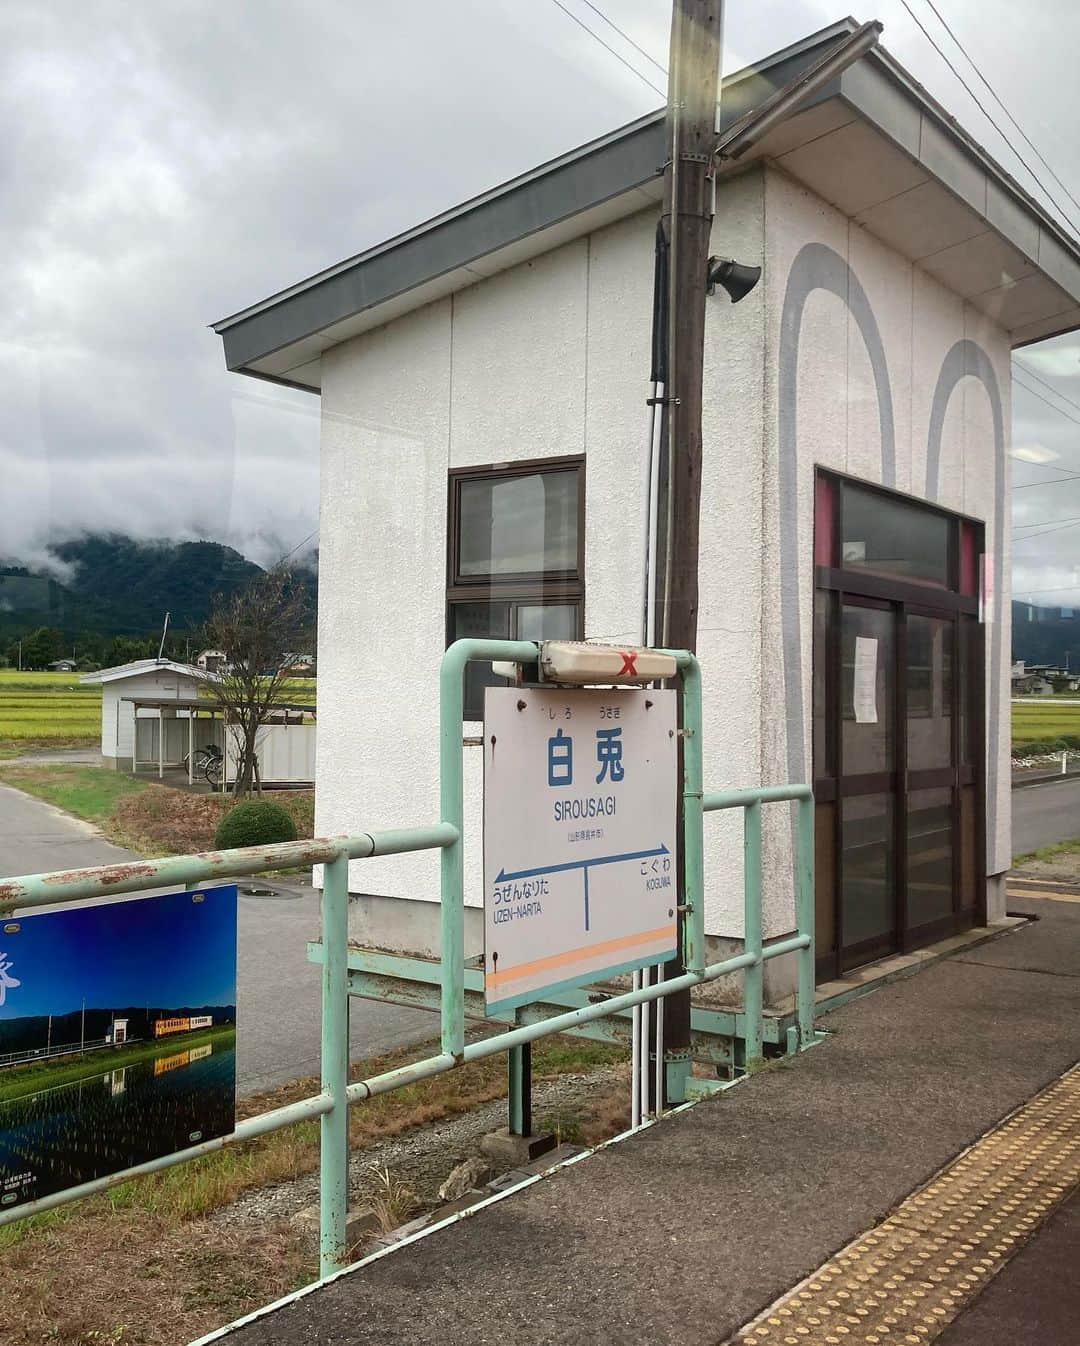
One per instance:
[(209, 762)]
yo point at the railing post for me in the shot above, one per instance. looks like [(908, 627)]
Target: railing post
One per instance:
[(452, 859), (334, 1125), (693, 820), (754, 977), (805, 913), (452, 811), (519, 1082)]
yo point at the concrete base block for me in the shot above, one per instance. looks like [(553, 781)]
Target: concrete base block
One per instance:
[(508, 1151), (359, 1221)]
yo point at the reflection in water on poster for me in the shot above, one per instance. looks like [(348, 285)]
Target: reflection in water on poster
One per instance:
[(117, 1037)]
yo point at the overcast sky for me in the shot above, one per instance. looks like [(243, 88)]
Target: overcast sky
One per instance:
[(164, 164)]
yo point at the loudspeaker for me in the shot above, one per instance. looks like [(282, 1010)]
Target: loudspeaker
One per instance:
[(736, 279)]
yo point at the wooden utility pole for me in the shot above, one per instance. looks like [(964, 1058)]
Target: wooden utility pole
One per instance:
[(693, 93)]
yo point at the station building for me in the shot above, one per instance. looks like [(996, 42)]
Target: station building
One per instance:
[(484, 429)]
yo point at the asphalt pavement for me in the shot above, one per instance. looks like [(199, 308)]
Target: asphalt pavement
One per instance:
[(679, 1235), (1045, 814), (277, 992)]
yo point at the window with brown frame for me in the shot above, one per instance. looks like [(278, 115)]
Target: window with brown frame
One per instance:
[(516, 558)]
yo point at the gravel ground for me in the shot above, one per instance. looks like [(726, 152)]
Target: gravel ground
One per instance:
[(423, 1157)]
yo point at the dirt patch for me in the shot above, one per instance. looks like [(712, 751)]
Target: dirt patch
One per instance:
[(145, 1282), (584, 1109), (169, 1257), (1055, 864), (163, 821)]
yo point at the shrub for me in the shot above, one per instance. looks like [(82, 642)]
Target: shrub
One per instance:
[(254, 822)]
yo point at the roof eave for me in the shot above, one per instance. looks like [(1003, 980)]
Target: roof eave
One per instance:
[(286, 334)]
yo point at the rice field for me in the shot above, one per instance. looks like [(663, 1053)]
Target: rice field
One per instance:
[(1035, 721), (47, 708)]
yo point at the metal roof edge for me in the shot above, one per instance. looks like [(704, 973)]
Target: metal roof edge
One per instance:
[(794, 49), (877, 87), (584, 177), (899, 75)]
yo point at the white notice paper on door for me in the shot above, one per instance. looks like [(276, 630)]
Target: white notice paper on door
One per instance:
[(864, 694)]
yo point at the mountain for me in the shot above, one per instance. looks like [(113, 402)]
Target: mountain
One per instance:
[(144, 580), (1043, 635), (119, 586)]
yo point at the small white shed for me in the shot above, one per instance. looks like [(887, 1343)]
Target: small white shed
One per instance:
[(150, 678)]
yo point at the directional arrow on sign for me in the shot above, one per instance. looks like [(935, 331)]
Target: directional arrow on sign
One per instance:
[(583, 865), (503, 876)]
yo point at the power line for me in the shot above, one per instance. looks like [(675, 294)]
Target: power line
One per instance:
[(1048, 386), (626, 37), (1054, 481), (295, 549), (997, 98), (1058, 528), (607, 47), (1072, 518), (1034, 393), (989, 117), (1059, 589)]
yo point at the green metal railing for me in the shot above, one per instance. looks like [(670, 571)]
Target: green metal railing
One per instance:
[(330, 1105)]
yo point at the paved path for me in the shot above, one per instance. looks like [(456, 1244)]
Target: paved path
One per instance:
[(1045, 814), (277, 988), (681, 1234)]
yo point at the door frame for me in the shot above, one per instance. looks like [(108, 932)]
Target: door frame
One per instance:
[(835, 586)]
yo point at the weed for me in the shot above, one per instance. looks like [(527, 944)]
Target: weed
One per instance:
[(394, 1202)]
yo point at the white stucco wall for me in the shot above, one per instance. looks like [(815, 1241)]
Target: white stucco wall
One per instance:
[(838, 426), (118, 740), (551, 358), (545, 360)]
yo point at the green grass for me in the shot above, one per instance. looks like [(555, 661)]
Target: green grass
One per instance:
[(47, 710), (1048, 852), (18, 1081), (88, 792)]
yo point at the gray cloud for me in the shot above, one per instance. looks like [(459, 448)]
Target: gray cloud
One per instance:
[(162, 165)]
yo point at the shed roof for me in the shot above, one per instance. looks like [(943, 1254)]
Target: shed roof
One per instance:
[(139, 667), (872, 142)]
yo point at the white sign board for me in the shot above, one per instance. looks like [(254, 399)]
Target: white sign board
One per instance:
[(579, 837)]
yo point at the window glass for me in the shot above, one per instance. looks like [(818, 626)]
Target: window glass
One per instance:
[(930, 857), (890, 536), (547, 621), (929, 691), (517, 525), (479, 621), (867, 896)]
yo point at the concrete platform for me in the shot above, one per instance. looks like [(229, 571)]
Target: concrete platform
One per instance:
[(686, 1231)]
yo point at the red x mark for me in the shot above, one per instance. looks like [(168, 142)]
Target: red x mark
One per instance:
[(629, 660)]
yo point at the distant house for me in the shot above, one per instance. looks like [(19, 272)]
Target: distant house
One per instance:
[(211, 661), (153, 716), (299, 665), (62, 666), (131, 732)]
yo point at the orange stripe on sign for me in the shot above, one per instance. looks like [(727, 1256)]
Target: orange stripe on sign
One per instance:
[(505, 974)]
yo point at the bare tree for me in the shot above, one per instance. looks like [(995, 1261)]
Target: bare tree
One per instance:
[(257, 628)]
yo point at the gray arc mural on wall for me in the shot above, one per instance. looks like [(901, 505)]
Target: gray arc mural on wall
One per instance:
[(967, 359), (818, 267)]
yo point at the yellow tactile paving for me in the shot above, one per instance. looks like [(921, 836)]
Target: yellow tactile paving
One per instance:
[(905, 1280), (1048, 896)]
